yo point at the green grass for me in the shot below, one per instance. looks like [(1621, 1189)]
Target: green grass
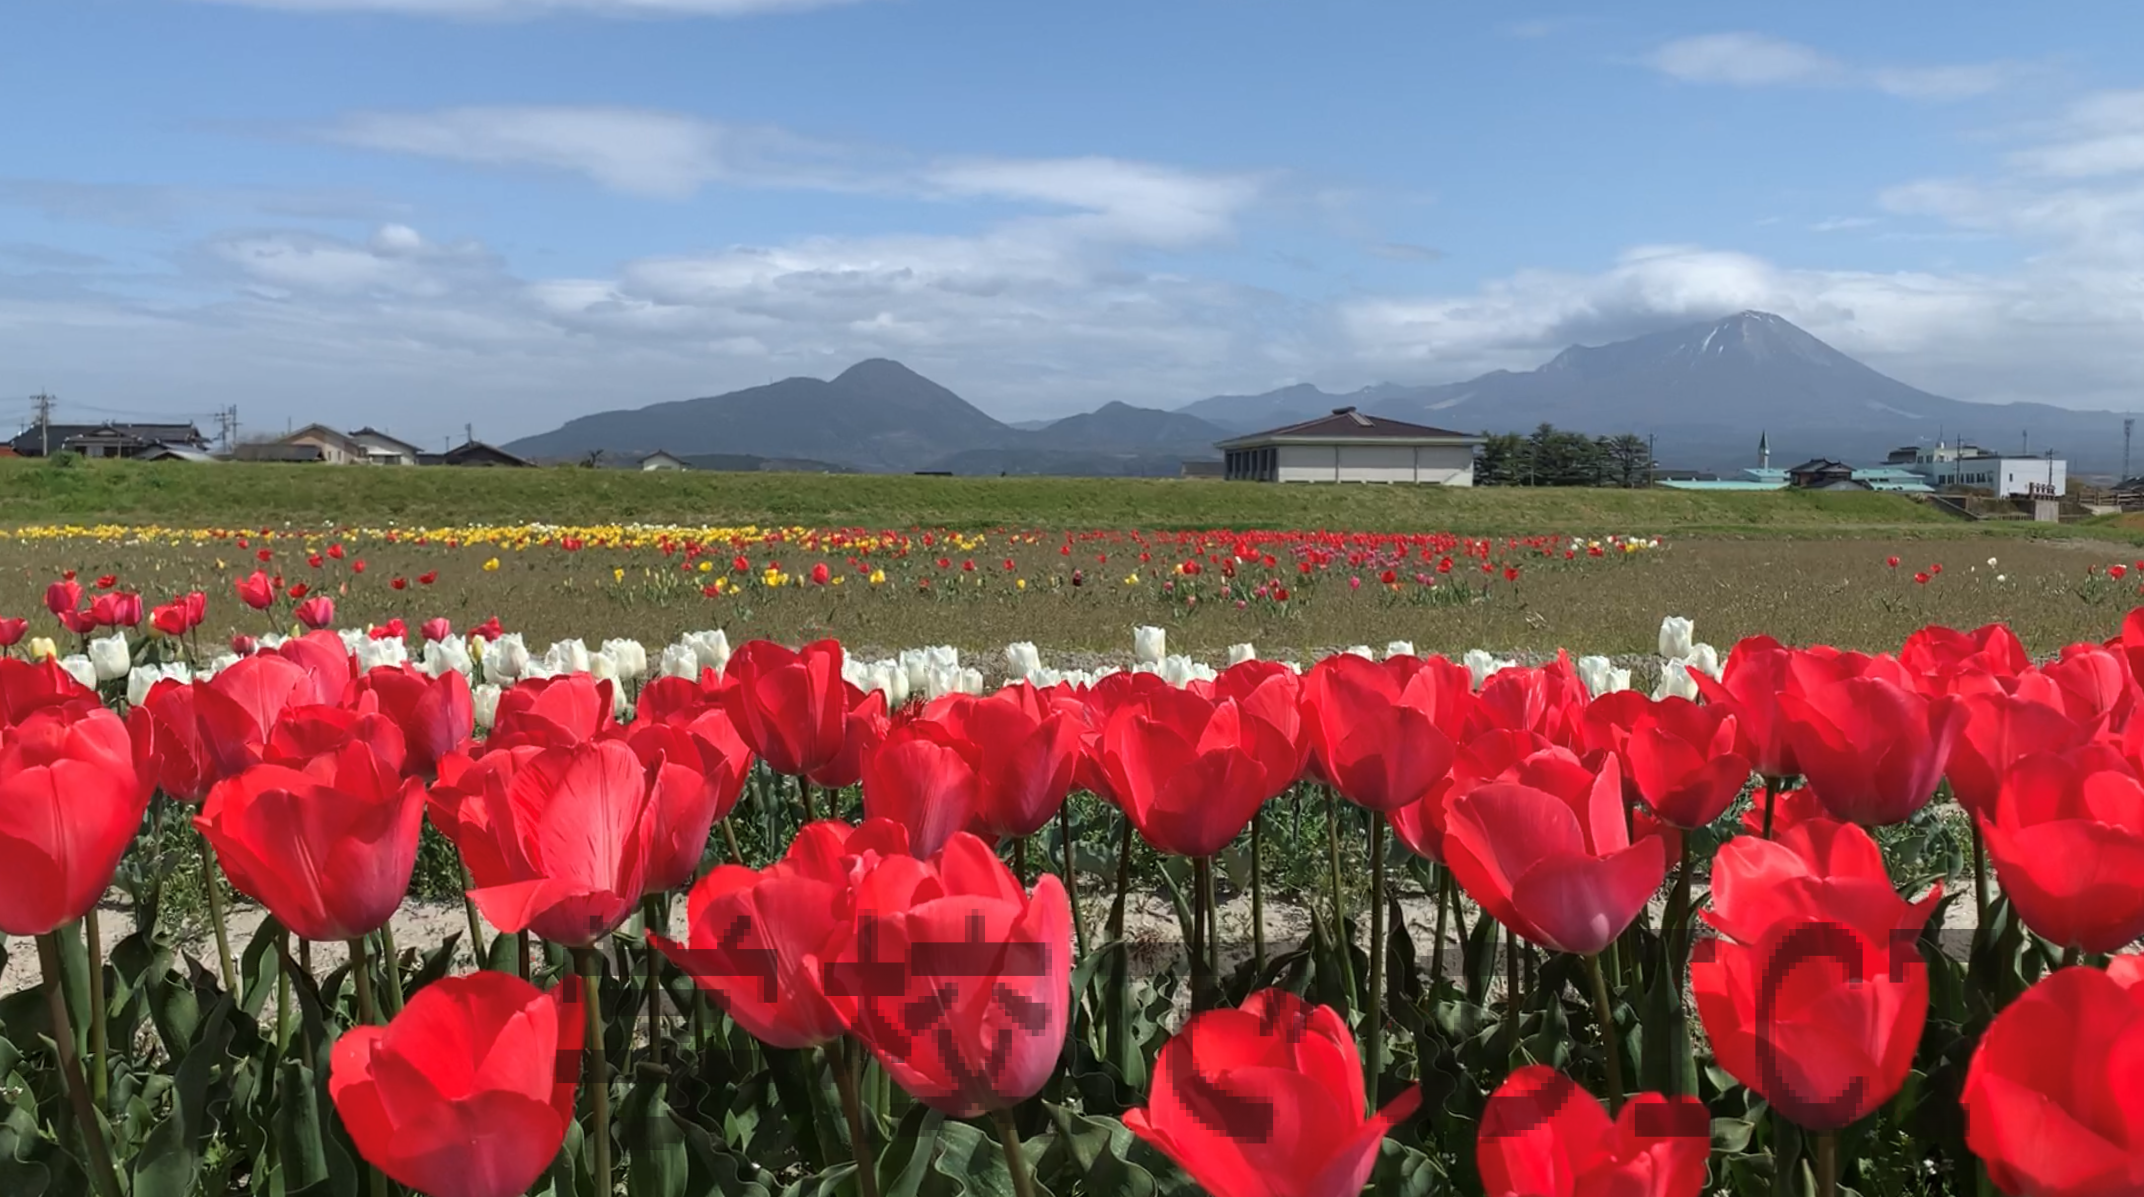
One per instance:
[(175, 493)]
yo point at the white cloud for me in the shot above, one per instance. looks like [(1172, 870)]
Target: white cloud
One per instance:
[(538, 8), (631, 150), (1842, 224), (1746, 59), (2100, 135)]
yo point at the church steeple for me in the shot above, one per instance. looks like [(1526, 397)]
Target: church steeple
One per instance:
[(1764, 450)]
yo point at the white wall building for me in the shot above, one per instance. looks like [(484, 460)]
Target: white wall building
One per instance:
[(1348, 446), (1968, 468)]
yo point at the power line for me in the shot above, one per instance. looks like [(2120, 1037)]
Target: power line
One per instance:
[(44, 423)]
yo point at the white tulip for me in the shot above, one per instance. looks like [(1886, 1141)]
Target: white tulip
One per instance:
[(1601, 676), (272, 641), (352, 639), (679, 660), (1399, 648), (971, 681), (216, 664), (1483, 666), (507, 660), (79, 668), (917, 665), (604, 668), (1675, 632), (631, 657), (567, 656), (485, 699), (42, 649), (1675, 682), (943, 656), (1703, 658), (1149, 645), (1239, 653), (142, 679), (108, 657), (451, 654), (712, 648), (372, 654), (1361, 650), (1022, 660)]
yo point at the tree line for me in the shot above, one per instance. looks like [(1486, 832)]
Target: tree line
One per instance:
[(1552, 456)]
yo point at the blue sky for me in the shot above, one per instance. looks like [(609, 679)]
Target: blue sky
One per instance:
[(424, 213)]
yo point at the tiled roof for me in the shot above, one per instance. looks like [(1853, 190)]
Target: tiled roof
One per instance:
[(1348, 424)]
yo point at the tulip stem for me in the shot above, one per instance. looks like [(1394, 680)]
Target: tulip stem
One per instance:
[(392, 959), (729, 835), (656, 913), (1980, 882), (1019, 862), (1373, 1058), (1680, 919), (97, 1160), (522, 956), (1512, 996), (212, 881), (2070, 956), (1341, 942), (1116, 1005), (1201, 873), (1258, 898), (1771, 799), (811, 804), (361, 972), (1023, 1185), (598, 1074), (1611, 1051), (99, 1071), (476, 926), (1827, 1164), (845, 1070), (1444, 903), (1064, 832), (282, 990)]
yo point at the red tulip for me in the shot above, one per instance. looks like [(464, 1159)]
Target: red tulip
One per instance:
[(1790, 808), (1873, 749), (316, 612), (2066, 837), (1026, 753), (1998, 730), (1543, 1136), (327, 847), (27, 687), (326, 663), (1100, 701), (12, 631), (1384, 740), (2092, 685), (958, 982), (1266, 1101), (469, 1091), (71, 798), (436, 714), (169, 619), (699, 770), (1491, 756), (435, 629), (757, 941), (304, 732), (1270, 696), (1177, 765), (923, 777), (1550, 855), (1606, 727), (115, 610), (63, 597), (1935, 656), (1548, 701), (2054, 1097), (1814, 994), (1756, 674), (561, 844), (556, 712), (1682, 758), (863, 725), (791, 707)]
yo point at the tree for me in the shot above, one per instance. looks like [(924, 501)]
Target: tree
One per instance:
[(1551, 456), (1628, 460)]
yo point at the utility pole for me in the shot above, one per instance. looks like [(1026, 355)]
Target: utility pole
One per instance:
[(469, 433), (1652, 459), (227, 427), (44, 423), (2129, 425)]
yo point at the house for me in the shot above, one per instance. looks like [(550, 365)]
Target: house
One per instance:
[(382, 449), (1348, 446), (660, 460), (1205, 467), (2128, 495), (104, 440), (162, 452), (1893, 479), (1822, 473), (477, 453), (1960, 466), (278, 451), (336, 448)]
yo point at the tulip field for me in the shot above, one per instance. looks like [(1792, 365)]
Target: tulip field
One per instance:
[(670, 860)]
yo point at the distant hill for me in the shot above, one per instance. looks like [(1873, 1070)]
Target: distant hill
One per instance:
[(875, 415), (879, 415), (1706, 391)]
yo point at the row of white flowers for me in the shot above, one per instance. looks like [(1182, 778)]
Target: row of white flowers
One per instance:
[(915, 674)]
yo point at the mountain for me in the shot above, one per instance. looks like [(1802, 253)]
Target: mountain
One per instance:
[(1120, 426), (879, 415), (875, 415), (1706, 392)]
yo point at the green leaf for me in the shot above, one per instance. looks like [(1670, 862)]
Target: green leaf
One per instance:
[(1089, 1155), (434, 965), (170, 1160)]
